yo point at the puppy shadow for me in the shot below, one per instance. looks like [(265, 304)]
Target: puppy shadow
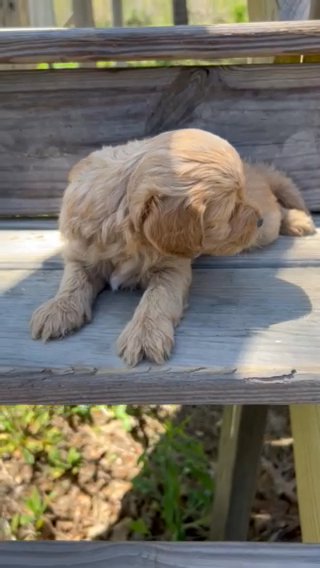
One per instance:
[(245, 316)]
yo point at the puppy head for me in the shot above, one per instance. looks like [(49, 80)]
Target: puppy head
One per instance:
[(189, 198), (175, 226)]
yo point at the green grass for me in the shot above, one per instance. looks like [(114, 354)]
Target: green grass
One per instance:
[(35, 506), (29, 431), (176, 479)]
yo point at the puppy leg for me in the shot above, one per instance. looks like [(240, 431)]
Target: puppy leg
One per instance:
[(71, 307), (296, 223), (150, 333)]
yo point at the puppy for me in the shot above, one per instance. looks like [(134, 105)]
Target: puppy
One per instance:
[(137, 214)]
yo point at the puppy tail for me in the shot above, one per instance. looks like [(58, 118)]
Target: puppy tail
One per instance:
[(284, 189)]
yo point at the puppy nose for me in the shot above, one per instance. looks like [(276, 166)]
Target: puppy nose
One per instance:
[(260, 222)]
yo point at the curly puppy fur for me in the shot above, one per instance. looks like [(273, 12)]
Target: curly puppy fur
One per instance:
[(137, 214)]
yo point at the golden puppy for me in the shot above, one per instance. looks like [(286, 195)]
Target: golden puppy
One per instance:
[(140, 212)]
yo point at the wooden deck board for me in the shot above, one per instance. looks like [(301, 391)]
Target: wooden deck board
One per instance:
[(162, 555), (249, 336)]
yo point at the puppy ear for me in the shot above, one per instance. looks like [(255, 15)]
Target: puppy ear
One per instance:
[(173, 226)]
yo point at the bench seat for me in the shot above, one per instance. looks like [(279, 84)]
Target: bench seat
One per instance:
[(250, 335)]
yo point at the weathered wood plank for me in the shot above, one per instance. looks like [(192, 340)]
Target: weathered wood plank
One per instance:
[(248, 337), (240, 446), (162, 555), (31, 245), (163, 386), (269, 113), (185, 42)]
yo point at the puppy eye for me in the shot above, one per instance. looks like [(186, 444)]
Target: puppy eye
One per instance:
[(260, 222)]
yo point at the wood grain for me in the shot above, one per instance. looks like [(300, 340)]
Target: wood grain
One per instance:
[(248, 337), (36, 244), (161, 555), (269, 113), (184, 42)]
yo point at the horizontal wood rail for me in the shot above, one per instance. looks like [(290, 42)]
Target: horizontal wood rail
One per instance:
[(170, 43), (162, 555)]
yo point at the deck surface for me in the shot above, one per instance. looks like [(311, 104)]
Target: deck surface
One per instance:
[(250, 335)]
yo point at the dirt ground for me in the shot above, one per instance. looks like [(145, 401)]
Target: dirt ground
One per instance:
[(97, 500)]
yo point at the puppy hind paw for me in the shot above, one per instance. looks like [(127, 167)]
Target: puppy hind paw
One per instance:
[(297, 223)]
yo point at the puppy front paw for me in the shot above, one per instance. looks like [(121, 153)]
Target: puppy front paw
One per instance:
[(297, 223), (57, 318), (146, 339)]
